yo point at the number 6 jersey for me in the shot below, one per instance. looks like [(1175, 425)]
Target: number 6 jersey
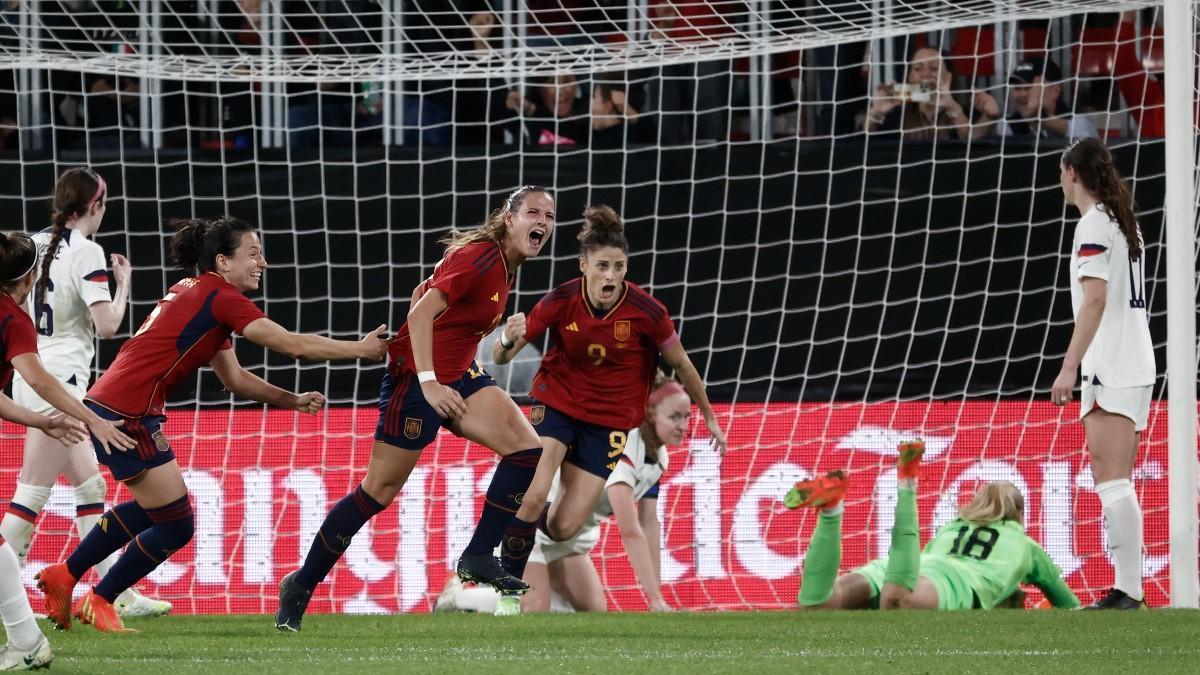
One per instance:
[(78, 280), (1121, 354)]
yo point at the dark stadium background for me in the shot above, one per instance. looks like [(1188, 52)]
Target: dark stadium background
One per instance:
[(768, 251)]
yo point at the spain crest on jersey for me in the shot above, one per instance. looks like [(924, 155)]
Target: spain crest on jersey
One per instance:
[(160, 441), (536, 414), (621, 330), (412, 427)]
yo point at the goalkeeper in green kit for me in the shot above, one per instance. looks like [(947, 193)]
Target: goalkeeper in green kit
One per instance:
[(975, 562)]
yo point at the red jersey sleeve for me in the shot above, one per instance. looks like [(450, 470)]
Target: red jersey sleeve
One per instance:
[(235, 310), (539, 319), (19, 337), (455, 276), (663, 331)]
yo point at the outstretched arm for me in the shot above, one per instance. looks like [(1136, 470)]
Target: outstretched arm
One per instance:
[(29, 365), (59, 426), (245, 384), (677, 358), (310, 347)]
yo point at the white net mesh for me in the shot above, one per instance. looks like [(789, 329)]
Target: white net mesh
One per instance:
[(849, 263)]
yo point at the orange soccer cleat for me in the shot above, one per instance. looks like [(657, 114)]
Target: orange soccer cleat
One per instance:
[(908, 464), (818, 493), (57, 584), (100, 613)]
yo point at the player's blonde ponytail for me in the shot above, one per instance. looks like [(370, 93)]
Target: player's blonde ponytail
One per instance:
[(493, 228), (996, 501)]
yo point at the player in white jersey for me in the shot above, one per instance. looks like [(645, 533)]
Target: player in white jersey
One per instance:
[(631, 494), (1111, 345), (71, 305)]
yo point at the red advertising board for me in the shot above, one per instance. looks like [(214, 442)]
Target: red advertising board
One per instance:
[(262, 482)]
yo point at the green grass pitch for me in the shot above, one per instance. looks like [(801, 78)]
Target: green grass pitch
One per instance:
[(769, 642)]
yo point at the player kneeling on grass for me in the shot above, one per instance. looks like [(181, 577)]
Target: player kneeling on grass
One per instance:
[(631, 494), (974, 562)]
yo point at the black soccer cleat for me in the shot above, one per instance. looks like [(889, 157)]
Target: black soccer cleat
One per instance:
[(293, 600), (484, 568), (1116, 599)]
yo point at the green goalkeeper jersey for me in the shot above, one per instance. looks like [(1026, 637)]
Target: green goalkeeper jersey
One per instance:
[(995, 558)]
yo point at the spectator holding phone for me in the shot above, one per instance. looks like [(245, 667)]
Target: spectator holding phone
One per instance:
[(923, 107)]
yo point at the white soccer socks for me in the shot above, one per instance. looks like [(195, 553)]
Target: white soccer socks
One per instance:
[(1123, 526), (22, 630), (17, 525)]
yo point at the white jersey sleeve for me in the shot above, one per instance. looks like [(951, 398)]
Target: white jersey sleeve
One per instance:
[(1121, 354), (90, 274), (633, 469)]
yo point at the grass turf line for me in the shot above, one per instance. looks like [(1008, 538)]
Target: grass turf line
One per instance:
[(998, 641)]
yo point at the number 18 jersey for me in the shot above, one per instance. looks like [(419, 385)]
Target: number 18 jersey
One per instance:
[(1121, 354), (995, 558)]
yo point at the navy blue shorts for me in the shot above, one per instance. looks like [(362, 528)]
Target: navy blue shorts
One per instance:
[(406, 420), (152, 448), (591, 447)]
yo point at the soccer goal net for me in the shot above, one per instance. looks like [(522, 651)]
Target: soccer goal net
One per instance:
[(851, 210)]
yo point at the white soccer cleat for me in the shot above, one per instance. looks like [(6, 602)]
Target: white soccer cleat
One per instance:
[(131, 603), (36, 658), (446, 599)]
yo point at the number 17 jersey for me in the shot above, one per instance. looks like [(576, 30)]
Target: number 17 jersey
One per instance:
[(600, 364)]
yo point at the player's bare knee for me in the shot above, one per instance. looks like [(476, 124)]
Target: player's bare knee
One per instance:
[(382, 489)]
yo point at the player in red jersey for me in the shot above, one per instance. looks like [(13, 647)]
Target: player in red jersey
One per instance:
[(592, 386), (433, 381), (26, 647), (190, 328)]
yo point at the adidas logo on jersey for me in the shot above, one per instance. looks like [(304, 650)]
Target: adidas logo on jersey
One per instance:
[(573, 327), (495, 297)]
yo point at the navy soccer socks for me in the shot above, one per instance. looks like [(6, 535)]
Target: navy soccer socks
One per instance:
[(345, 519)]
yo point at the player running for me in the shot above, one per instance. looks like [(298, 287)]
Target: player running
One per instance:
[(591, 388), (26, 647), (432, 381), (71, 304), (1111, 345), (190, 327), (974, 562)]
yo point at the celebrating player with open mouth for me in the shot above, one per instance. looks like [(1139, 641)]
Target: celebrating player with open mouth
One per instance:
[(593, 383), (433, 381), (190, 327)]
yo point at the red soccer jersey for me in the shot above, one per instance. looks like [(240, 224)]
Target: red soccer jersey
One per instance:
[(601, 363), (187, 329), (17, 336), (476, 282)]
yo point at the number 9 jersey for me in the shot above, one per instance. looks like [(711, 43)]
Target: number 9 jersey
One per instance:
[(600, 364), (1121, 354)]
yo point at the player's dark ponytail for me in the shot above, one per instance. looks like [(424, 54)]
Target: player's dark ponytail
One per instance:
[(18, 256), (1093, 163), (198, 242), (602, 228), (74, 193)]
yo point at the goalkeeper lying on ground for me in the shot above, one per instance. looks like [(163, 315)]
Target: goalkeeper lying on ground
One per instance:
[(975, 562)]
